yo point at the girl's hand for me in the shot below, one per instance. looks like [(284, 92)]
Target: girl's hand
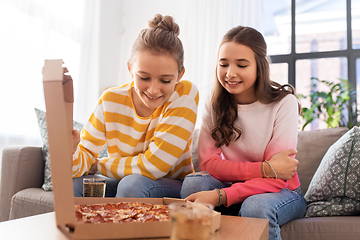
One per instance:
[(284, 165), (75, 139), (211, 197), (93, 169)]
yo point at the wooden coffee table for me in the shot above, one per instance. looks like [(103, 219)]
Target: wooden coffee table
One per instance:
[(43, 227)]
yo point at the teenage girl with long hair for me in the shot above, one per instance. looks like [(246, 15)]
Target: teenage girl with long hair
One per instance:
[(248, 138)]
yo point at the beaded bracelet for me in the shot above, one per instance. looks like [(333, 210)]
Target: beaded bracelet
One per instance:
[(272, 169), (263, 170), (220, 197)]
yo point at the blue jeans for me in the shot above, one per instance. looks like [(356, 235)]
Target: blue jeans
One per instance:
[(279, 208), (134, 186)]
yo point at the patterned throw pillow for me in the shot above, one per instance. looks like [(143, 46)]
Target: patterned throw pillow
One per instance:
[(41, 118), (335, 187)]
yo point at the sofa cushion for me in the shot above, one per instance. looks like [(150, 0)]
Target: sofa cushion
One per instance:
[(335, 187), (41, 118), (31, 201), (312, 146), (329, 228)]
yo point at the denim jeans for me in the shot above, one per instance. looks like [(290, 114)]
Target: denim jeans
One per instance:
[(279, 208), (135, 186)]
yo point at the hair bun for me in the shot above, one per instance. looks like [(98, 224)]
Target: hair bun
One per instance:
[(165, 22)]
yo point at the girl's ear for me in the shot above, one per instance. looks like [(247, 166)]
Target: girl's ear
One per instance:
[(181, 74), (129, 68)]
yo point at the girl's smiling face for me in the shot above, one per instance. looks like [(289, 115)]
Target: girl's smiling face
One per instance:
[(237, 71), (155, 78)]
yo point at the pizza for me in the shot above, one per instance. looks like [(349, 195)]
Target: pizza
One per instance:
[(121, 212)]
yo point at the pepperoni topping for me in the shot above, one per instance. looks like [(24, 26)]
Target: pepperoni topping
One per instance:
[(98, 218), (109, 207), (95, 207), (123, 206), (159, 210)]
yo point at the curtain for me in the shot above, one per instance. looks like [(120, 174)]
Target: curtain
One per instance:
[(32, 31), (206, 23)]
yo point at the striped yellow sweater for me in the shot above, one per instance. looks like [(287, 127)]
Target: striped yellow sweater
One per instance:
[(156, 146)]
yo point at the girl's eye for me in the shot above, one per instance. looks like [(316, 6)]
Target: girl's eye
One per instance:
[(144, 78), (223, 65), (242, 66), (165, 81)]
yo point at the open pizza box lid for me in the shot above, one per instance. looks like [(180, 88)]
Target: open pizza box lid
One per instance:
[(59, 98)]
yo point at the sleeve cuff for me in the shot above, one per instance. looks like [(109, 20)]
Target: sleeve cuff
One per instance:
[(231, 196), (254, 170)]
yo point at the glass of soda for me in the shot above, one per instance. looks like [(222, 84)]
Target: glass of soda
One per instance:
[(94, 187)]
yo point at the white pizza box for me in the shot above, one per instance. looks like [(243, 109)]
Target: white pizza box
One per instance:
[(59, 98)]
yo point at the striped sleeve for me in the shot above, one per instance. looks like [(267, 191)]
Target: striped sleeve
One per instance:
[(93, 139)]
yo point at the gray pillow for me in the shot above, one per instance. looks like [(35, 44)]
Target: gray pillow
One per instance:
[(312, 146), (41, 119), (335, 188)]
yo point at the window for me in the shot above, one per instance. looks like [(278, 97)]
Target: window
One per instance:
[(317, 38)]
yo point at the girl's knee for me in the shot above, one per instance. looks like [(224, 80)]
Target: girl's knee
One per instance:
[(256, 207), (131, 186), (197, 182)]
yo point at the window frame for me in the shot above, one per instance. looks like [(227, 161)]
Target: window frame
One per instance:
[(350, 54)]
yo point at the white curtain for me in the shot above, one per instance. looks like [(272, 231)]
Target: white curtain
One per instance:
[(94, 38), (87, 84), (206, 23), (32, 31)]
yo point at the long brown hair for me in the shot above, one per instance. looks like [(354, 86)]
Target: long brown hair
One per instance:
[(223, 103), (161, 37)]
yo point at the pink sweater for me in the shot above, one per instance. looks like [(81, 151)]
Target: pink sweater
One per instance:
[(266, 129)]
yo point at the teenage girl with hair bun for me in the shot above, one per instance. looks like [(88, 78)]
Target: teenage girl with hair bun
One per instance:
[(146, 123), (248, 138)]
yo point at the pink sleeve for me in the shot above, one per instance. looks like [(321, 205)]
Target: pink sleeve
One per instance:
[(239, 191)]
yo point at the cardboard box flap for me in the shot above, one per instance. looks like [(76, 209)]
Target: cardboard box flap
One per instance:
[(58, 92), (53, 70)]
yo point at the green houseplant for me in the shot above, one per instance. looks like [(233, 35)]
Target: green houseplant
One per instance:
[(331, 105)]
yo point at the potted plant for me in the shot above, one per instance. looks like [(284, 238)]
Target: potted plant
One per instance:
[(331, 105)]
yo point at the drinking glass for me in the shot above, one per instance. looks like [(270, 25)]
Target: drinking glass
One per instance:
[(94, 187), (190, 221)]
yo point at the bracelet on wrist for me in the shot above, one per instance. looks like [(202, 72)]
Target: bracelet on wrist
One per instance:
[(272, 169), (220, 196), (263, 170)]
